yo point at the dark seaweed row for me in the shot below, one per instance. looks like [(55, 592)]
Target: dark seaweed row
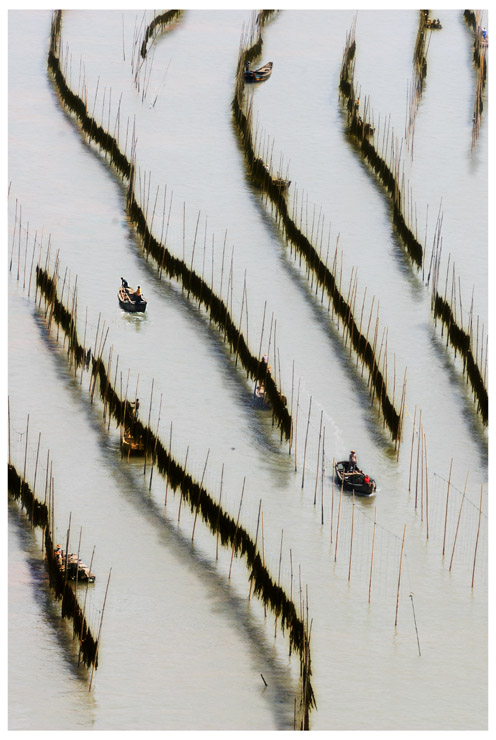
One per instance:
[(173, 266), (198, 498), (419, 51), (70, 605), (216, 308), (470, 19), (38, 513), (457, 336), (19, 489), (479, 59), (61, 315), (358, 129), (460, 341), (160, 20), (264, 180), (88, 124)]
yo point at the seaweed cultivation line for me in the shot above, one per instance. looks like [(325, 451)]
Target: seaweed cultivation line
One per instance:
[(161, 23), (156, 26), (174, 267), (199, 499), (473, 20), (461, 342), (264, 180), (42, 515), (361, 130), (357, 128), (420, 73)]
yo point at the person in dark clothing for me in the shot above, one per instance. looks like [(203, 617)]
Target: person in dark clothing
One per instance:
[(352, 462)]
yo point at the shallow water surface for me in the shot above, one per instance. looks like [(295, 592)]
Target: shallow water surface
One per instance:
[(184, 644)]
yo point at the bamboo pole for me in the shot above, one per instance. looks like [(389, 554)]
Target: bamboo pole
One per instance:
[(84, 607), (426, 489), (99, 631), (156, 437), (237, 526), (35, 472), (446, 511), (199, 495), (291, 431), (148, 424), (458, 523), (220, 499), (318, 460), (477, 538), (26, 449), (168, 466), (322, 481), (418, 458), (306, 440), (256, 540), (296, 426), (181, 490), (399, 576), (339, 518)]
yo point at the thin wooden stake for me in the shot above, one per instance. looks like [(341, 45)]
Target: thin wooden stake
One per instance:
[(477, 538), (446, 512), (399, 576), (99, 631), (458, 522)]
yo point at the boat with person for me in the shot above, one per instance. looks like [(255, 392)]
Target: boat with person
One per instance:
[(433, 23), (131, 300), (130, 445), (258, 75), (76, 569), (354, 480)]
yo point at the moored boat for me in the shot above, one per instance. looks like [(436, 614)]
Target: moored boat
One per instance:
[(130, 445), (281, 183), (260, 74), (356, 480), (76, 569), (131, 300)]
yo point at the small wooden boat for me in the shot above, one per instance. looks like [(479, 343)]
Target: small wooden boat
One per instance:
[(260, 74), (433, 23), (76, 569), (129, 301), (357, 481), (281, 183), (260, 400), (130, 445)]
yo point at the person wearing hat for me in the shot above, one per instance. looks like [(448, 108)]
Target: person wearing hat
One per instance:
[(352, 462)]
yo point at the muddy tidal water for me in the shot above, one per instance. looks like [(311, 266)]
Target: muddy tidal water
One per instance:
[(394, 587)]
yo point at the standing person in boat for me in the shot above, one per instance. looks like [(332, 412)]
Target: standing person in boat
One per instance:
[(125, 284), (138, 294), (352, 462)]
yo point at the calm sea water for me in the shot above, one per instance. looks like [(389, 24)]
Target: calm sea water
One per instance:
[(183, 646)]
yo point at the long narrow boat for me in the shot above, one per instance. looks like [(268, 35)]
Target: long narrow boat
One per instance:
[(260, 74), (130, 445), (357, 481), (129, 301)]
